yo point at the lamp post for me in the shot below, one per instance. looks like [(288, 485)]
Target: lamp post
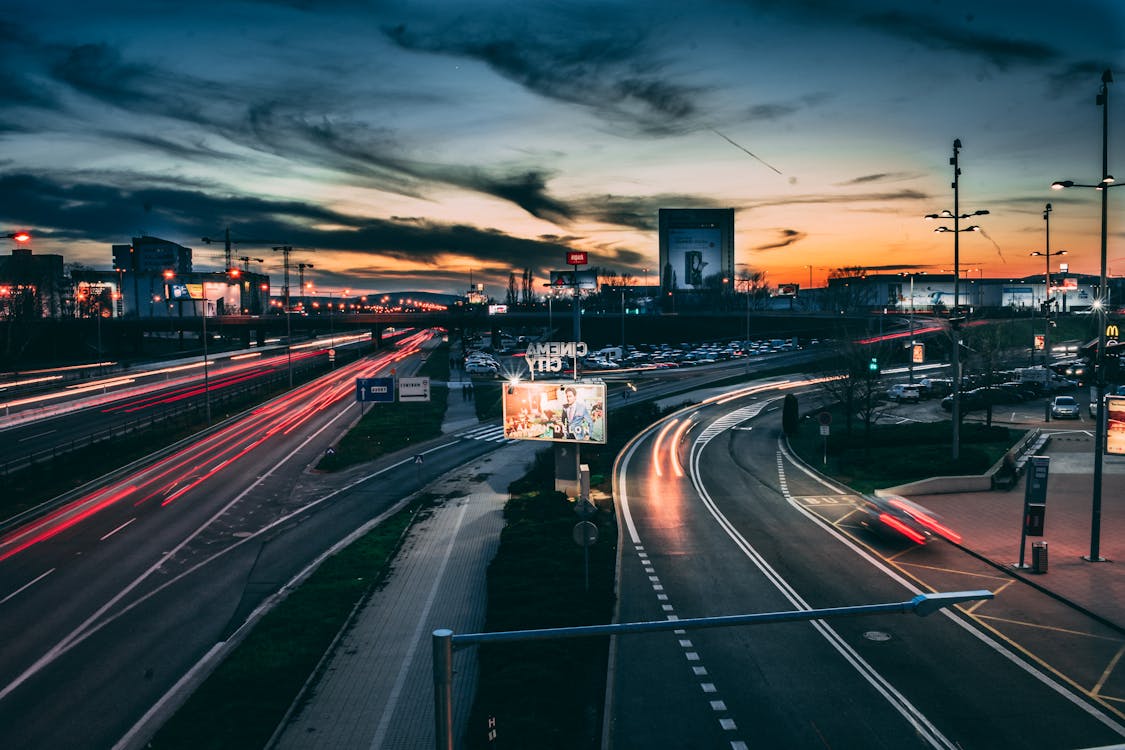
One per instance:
[(955, 319), (1047, 299), (910, 355), (1100, 304)]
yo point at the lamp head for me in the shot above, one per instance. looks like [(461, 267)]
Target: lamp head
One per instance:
[(1060, 184)]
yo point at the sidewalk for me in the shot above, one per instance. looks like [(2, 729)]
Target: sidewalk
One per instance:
[(376, 689), (990, 524)]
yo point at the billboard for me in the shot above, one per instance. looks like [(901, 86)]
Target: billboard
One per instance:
[(567, 411), (1115, 425), (565, 280), (697, 248)]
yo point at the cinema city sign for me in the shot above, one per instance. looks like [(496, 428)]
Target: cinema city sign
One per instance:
[(549, 356)]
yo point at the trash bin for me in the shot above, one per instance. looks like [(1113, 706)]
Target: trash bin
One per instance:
[(1038, 557)]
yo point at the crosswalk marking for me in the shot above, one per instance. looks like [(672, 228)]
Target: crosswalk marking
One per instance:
[(730, 420), (491, 433)]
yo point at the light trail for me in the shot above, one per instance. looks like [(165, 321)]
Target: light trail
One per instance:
[(213, 453)]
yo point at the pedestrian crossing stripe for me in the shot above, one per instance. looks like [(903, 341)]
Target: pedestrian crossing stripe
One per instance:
[(728, 421), (826, 499), (491, 433)]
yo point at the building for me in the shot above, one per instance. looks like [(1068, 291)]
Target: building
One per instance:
[(696, 249), (33, 286)]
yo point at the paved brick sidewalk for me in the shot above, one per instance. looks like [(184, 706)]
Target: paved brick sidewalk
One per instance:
[(376, 690), (990, 525)]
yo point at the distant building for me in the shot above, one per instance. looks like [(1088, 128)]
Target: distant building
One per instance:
[(32, 286), (152, 255), (696, 249)]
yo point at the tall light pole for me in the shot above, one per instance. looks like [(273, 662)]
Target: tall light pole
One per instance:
[(910, 355), (286, 251), (1047, 299), (955, 319), (1100, 304)]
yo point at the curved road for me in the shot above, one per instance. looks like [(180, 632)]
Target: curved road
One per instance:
[(717, 519)]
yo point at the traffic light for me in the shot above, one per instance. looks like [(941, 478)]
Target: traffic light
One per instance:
[(873, 367)]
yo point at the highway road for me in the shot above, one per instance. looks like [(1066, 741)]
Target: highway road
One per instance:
[(111, 599), (61, 414), (717, 519)]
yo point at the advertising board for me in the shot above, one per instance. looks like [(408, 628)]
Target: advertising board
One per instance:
[(697, 248), (557, 411), (565, 279), (1115, 425)]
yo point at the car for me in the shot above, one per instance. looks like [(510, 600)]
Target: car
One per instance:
[(903, 392), (482, 368), (935, 387), (1065, 407), (895, 517)]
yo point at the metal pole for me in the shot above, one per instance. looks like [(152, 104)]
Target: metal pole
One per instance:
[(956, 411), (206, 383), (1047, 290), (910, 355), (443, 689), (1100, 426)]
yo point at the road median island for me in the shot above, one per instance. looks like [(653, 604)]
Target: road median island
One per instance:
[(897, 454)]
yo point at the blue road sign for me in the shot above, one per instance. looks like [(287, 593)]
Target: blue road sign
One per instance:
[(379, 390)]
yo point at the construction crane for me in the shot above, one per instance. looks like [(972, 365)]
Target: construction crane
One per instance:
[(228, 262), (246, 261)]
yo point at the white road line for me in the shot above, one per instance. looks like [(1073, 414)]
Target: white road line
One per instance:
[(965, 624), (119, 528), (922, 725), (27, 585)]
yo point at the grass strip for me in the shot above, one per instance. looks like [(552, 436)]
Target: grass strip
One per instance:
[(386, 428), (243, 701), (897, 454)]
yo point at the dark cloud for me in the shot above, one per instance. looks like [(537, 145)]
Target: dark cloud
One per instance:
[(878, 177), (788, 237), (87, 211), (604, 67), (930, 31)]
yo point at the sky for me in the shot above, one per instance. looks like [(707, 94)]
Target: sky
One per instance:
[(418, 145)]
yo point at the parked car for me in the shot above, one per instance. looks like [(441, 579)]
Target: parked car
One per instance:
[(903, 392), (935, 387), (896, 517), (482, 368), (1065, 407)]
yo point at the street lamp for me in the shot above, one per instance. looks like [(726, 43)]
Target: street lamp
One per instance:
[(1047, 299), (1100, 304), (955, 319), (910, 356)]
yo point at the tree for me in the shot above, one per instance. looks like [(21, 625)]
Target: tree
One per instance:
[(513, 295), (790, 415), (848, 380), (846, 290)]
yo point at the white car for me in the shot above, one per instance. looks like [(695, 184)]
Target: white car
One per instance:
[(902, 392), (482, 368), (1065, 407)]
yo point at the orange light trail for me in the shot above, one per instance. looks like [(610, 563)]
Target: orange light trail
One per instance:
[(656, 446), (674, 447)]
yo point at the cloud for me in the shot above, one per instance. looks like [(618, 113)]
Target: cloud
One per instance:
[(788, 237), (65, 210), (602, 66)]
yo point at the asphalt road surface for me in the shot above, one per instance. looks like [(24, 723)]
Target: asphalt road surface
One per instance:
[(718, 520)]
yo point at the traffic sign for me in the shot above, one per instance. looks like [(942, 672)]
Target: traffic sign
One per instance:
[(413, 389), (585, 533), (379, 390), (825, 418)]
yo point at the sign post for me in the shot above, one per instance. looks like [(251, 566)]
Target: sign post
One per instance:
[(825, 419), (1034, 502)]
